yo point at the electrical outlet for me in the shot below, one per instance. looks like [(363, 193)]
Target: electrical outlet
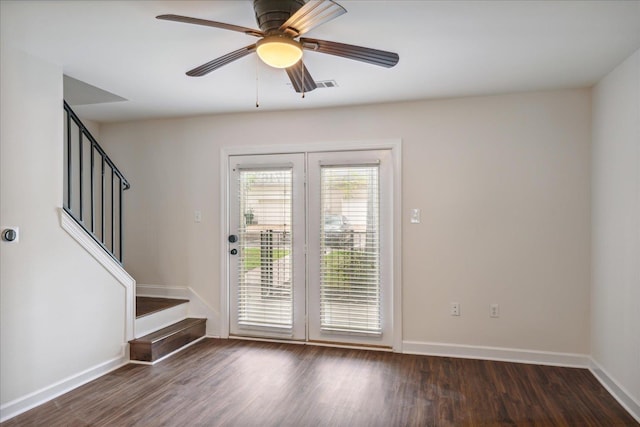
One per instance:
[(494, 310), (455, 309)]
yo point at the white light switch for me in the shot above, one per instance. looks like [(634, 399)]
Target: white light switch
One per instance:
[(197, 216), (415, 216)]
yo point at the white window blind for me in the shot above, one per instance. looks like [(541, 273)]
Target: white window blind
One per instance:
[(350, 249), (265, 294)]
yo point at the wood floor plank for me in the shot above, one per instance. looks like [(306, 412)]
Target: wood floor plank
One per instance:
[(243, 383)]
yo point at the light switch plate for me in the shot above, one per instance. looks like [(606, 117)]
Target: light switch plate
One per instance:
[(415, 216)]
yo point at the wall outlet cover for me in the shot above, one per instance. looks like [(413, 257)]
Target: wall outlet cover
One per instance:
[(455, 309)]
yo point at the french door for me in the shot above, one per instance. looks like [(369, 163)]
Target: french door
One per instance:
[(267, 234), (310, 246)]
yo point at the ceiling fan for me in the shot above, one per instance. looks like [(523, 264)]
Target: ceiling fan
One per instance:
[(281, 23)]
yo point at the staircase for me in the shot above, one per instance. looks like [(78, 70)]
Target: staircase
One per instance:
[(93, 200), (163, 328)]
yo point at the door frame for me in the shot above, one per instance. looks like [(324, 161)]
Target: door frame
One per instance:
[(395, 145)]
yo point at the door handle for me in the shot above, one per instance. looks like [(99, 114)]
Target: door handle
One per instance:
[(233, 251), (233, 238)]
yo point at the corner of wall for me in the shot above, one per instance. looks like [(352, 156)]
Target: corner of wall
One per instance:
[(615, 232)]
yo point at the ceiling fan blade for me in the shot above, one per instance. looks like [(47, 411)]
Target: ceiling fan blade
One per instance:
[(358, 53), (301, 78), (219, 62), (207, 23), (312, 14)]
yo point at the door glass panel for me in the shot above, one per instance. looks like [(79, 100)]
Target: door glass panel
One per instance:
[(265, 269), (350, 249)]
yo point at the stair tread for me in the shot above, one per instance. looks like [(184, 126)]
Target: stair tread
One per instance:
[(149, 305), (170, 330)]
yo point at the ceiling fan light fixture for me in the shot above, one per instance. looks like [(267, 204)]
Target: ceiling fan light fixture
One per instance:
[(279, 52)]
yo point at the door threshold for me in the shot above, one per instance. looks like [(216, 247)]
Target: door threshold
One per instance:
[(316, 343)]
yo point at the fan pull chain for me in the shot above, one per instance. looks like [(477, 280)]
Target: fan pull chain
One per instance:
[(257, 81), (302, 72)]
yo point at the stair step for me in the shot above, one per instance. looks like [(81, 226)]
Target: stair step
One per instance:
[(145, 325), (158, 344), (150, 305)]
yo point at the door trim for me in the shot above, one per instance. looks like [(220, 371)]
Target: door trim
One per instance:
[(395, 145)]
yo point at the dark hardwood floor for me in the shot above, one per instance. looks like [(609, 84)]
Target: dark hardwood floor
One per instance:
[(243, 383)]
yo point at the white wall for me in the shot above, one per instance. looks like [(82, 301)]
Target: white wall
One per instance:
[(615, 323), (92, 127), (61, 314), (502, 181)]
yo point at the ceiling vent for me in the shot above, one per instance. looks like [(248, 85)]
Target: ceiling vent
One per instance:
[(322, 84), (327, 83)]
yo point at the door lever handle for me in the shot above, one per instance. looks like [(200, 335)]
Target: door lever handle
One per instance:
[(233, 251)]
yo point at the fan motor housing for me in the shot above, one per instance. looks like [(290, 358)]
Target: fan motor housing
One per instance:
[(271, 14)]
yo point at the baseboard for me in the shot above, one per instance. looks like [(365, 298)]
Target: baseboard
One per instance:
[(497, 353), (23, 404), (198, 307), (615, 389)]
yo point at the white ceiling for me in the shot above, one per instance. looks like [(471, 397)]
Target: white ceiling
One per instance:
[(446, 48)]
